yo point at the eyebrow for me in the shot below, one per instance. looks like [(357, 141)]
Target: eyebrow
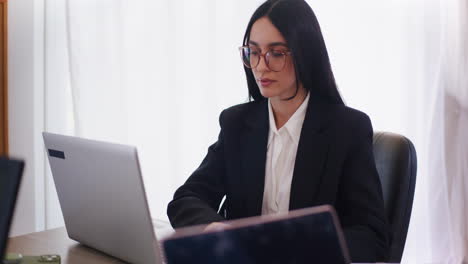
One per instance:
[(273, 44)]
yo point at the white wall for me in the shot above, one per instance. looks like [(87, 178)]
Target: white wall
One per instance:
[(26, 109)]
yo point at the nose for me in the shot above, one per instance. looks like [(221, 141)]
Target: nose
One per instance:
[(262, 67)]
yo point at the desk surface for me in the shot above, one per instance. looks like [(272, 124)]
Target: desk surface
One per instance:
[(56, 241)]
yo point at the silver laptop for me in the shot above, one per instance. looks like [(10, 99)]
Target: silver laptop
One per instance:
[(103, 200), (311, 235)]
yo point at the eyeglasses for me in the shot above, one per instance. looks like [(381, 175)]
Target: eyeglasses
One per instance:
[(275, 59)]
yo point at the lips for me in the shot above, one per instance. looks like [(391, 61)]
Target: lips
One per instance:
[(266, 82)]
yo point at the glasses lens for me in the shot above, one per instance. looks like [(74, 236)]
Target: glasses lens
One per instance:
[(275, 59), (250, 57)]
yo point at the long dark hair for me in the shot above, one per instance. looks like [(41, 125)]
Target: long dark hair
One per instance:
[(299, 26)]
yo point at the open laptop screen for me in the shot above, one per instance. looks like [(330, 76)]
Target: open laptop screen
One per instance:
[(10, 176), (312, 236)]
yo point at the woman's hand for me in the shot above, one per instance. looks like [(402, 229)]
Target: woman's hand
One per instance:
[(216, 226)]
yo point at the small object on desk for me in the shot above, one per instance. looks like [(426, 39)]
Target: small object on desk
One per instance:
[(49, 259), (12, 258)]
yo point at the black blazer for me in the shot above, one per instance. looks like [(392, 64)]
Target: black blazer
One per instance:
[(334, 165)]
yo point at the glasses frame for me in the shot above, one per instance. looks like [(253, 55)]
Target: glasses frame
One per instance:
[(285, 53)]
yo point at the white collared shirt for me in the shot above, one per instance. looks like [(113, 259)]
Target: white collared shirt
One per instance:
[(280, 160)]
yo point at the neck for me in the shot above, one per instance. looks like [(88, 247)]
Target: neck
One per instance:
[(284, 109)]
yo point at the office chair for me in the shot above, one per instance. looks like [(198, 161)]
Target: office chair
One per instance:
[(395, 158)]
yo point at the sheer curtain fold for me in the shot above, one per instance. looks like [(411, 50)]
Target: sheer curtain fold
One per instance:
[(96, 61), (156, 74), (449, 156)]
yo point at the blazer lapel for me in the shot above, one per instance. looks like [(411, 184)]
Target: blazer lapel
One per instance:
[(310, 158), (254, 141)]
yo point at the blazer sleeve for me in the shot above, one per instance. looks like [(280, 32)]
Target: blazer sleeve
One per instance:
[(360, 201), (197, 200)]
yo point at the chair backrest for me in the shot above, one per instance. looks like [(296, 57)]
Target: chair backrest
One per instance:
[(395, 158)]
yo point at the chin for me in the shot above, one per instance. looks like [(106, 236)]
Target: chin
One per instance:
[(268, 92)]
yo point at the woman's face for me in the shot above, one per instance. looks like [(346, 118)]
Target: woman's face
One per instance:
[(264, 36)]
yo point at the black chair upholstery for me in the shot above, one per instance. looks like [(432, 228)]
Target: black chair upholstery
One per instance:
[(395, 158)]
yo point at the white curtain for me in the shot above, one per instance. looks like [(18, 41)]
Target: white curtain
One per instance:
[(156, 74), (448, 157)]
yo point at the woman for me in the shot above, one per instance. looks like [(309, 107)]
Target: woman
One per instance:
[(295, 145)]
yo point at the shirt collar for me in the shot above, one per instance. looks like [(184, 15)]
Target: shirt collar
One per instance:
[(293, 126)]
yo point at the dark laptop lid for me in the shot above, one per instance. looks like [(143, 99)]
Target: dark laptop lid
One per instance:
[(310, 235), (10, 177)]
